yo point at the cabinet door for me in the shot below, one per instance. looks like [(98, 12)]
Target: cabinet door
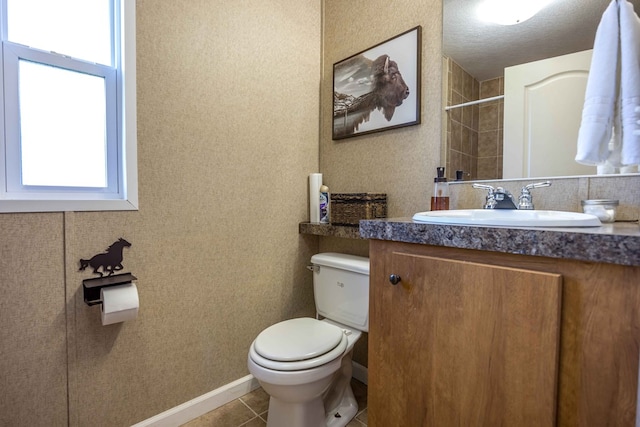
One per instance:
[(456, 343)]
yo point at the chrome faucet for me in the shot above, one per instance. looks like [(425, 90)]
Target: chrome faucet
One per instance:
[(499, 198), (525, 201)]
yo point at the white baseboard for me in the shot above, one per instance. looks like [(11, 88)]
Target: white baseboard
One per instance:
[(202, 404), (360, 373), (194, 408)]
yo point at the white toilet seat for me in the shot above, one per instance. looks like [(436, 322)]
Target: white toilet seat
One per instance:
[(298, 344)]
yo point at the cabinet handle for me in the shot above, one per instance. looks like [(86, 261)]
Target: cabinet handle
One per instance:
[(394, 279)]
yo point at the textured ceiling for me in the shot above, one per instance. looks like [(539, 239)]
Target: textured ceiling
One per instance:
[(484, 49)]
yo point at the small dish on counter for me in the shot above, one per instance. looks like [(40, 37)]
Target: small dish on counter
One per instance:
[(604, 209)]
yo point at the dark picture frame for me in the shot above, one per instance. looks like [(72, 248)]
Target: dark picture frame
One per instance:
[(379, 88)]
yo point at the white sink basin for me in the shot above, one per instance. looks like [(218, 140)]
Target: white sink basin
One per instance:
[(509, 217)]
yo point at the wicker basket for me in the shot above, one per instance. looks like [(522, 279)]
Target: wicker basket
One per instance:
[(350, 208)]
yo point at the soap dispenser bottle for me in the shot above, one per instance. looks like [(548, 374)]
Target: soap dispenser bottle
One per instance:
[(324, 204), (440, 198)]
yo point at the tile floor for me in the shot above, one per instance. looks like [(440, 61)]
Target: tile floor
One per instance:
[(250, 410)]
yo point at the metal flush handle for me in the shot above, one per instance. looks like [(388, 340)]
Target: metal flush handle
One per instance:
[(394, 279)]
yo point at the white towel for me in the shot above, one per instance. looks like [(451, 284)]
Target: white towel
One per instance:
[(601, 94), (629, 83)]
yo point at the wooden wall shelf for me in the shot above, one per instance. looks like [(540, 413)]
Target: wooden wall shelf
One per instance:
[(347, 232)]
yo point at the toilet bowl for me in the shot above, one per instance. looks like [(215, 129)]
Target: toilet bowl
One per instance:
[(305, 364)]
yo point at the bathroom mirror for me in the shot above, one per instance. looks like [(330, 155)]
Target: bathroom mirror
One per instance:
[(476, 54)]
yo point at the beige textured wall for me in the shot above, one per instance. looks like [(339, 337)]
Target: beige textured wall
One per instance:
[(33, 352), (228, 132), (400, 162), (227, 135)]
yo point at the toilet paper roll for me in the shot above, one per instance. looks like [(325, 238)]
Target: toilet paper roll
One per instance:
[(119, 303), (315, 182)]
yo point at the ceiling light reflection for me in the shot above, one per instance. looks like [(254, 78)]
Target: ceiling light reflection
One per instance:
[(510, 12)]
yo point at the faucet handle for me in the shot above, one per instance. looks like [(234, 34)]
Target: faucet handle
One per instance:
[(490, 200), (525, 201), (537, 185), (484, 187)]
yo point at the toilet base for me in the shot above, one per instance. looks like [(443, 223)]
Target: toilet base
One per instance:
[(295, 414), (345, 412)]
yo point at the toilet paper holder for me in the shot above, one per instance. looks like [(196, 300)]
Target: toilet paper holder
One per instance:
[(91, 287)]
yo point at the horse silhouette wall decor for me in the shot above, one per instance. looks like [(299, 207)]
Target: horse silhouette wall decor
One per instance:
[(108, 262)]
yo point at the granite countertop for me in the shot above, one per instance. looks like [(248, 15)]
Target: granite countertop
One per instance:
[(617, 243)]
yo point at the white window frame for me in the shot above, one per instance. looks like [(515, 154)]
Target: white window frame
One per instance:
[(122, 190)]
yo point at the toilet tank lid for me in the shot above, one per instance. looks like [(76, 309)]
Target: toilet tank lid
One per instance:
[(353, 263)]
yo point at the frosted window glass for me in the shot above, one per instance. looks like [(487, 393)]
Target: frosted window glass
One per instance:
[(62, 127), (76, 28)]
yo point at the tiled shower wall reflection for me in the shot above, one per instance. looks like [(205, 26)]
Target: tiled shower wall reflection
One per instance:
[(462, 123), (474, 133)]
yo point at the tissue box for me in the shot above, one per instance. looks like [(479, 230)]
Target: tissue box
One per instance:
[(350, 208)]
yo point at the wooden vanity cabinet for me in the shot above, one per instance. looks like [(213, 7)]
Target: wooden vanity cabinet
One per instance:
[(472, 338)]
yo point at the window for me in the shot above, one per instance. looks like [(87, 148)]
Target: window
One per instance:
[(68, 106)]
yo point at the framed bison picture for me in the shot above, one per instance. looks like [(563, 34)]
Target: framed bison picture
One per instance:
[(378, 89)]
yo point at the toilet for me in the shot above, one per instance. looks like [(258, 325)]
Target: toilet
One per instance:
[(304, 364)]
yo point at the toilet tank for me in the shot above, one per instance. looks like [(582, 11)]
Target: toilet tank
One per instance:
[(341, 288)]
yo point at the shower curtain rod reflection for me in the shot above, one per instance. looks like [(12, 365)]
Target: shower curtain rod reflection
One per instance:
[(479, 101)]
